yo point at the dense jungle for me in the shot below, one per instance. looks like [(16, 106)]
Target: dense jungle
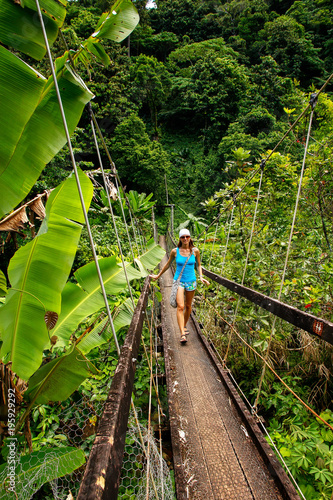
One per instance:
[(189, 105)]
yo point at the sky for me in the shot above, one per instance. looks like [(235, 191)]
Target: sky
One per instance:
[(150, 4)]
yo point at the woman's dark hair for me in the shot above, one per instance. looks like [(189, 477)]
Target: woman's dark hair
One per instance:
[(191, 244)]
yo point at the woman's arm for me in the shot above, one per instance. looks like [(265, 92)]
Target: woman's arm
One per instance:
[(167, 265), (197, 256)]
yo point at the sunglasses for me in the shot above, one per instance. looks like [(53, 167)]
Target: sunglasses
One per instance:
[(182, 237)]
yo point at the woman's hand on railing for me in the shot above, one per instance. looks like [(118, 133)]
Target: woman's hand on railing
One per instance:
[(154, 276), (204, 281)]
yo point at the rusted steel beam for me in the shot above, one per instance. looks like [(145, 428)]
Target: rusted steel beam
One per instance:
[(102, 475), (276, 470), (316, 326)]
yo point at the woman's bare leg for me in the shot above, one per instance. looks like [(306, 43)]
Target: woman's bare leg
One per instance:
[(188, 305), (180, 309)]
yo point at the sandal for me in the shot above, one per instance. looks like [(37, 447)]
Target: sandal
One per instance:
[(186, 331), (183, 339)]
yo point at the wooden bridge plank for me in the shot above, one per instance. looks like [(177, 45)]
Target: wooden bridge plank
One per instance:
[(277, 473), (316, 326), (180, 458)]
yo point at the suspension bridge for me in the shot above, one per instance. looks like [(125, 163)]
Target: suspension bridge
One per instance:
[(219, 447), (219, 444)]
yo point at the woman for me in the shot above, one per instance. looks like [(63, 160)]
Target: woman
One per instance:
[(188, 281)]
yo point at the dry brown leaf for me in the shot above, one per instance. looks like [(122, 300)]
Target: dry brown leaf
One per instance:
[(54, 339), (51, 319), (38, 207), (14, 221), (17, 219), (112, 191)]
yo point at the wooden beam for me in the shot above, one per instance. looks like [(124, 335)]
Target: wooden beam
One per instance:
[(102, 475), (316, 326)]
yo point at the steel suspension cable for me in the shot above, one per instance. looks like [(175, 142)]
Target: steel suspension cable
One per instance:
[(87, 222), (204, 246), (143, 445), (228, 236), (143, 246), (114, 170), (211, 253), (247, 258), (111, 211), (313, 104), (314, 96), (159, 409), (86, 217), (77, 176), (149, 404), (124, 217)]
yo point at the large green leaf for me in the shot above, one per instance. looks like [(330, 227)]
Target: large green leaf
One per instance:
[(115, 25), (118, 23), (31, 126), (80, 301), (54, 9), (37, 468), (93, 46), (3, 284), (20, 26), (102, 331), (123, 316), (37, 273), (150, 258), (59, 378)]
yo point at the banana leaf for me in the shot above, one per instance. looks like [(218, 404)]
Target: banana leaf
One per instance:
[(54, 9), (37, 468), (38, 273), (31, 126), (147, 261), (59, 378), (20, 26), (3, 284), (102, 332), (93, 46), (114, 25), (118, 23), (82, 300)]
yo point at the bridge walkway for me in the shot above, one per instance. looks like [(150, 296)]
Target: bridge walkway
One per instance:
[(215, 439)]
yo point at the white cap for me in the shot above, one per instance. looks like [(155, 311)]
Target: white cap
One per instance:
[(184, 232)]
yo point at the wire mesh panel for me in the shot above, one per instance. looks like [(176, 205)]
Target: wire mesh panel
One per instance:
[(60, 436), (142, 477)]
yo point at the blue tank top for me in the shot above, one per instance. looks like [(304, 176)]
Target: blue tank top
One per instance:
[(188, 273)]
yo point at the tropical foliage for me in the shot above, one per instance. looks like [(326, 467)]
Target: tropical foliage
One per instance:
[(188, 106), (38, 272)]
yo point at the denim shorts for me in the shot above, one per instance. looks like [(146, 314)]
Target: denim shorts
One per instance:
[(189, 286)]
